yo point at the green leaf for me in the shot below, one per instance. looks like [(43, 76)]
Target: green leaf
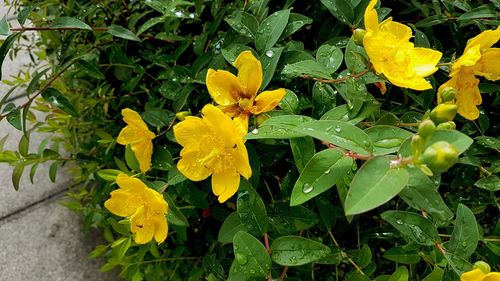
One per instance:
[(68, 22), (401, 274), (4, 27), (15, 119), (16, 175), (229, 228), (491, 183), (355, 57), (490, 142), (91, 69), (53, 171), (373, 185), (243, 23), (270, 30), (321, 173), (341, 134), (295, 22), (296, 250), (251, 210), (108, 174), (57, 99), (432, 20), (457, 264), (403, 254), (330, 57), (422, 194), (302, 151), (4, 48), (279, 127), (481, 12), (150, 23), (24, 13), (286, 220), (307, 67), (387, 139), (175, 176), (162, 159), (122, 32), (24, 143), (251, 257), (269, 61), (323, 99), (341, 9), (174, 215), (414, 226), (465, 235), (458, 139), (130, 159), (290, 102), (232, 51), (435, 275)]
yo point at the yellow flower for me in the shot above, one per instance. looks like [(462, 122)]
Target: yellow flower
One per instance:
[(213, 145), (478, 59), (478, 275), (137, 134), (237, 96), (392, 54), (144, 206)]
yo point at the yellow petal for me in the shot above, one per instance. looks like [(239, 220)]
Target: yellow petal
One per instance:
[(241, 162), (190, 166), (469, 58), (133, 118), (407, 80), (241, 121), (489, 64), (485, 39), (492, 276), (474, 275), (467, 95), (225, 184), (267, 101), (230, 110), (425, 61), (189, 132), (398, 32), (249, 73), (142, 228), (125, 181), (161, 229), (223, 86), (220, 124), (143, 151), (130, 134), (371, 16), (122, 203)]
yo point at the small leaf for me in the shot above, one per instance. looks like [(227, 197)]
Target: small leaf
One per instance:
[(296, 250), (122, 32), (491, 183), (269, 61), (24, 13), (15, 119), (229, 228), (108, 174), (374, 184), (251, 210), (68, 22), (16, 175), (290, 102), (150, 23), (243, 23), (279, 127), (465, 235), (4, 27), (343, 10), (251, 257), (130, 159), (321, 173), (435, 275), (414, 226), (24, 143), (403, 254), (401, 274), (4, 48), (270, 30), (324, 98), (302, 151), (330, 56), (307, 67), (481, 12), (295, 22), (386, 139), (57, 99), (432, 20), (287, 220), (53, 171), (174, 215)]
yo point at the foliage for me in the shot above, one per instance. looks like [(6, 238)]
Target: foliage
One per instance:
[(353, 178)]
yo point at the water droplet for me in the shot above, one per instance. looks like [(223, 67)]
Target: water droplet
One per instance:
[(255, 131), (270, 53), (327, 171), (464, 244), (398, 221), (191, 15), (307, 188), (179, 14), (338, 129), (241, 258)]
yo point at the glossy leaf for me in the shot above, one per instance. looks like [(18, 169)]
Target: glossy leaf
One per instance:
[(306, 67), (491, 183), (296, 250), (251, 257), (330, 56), (279, 127), (16, 175), (403, 254), (69, 22), (287, 220), (465, 236), (386, 139), (269, 61), (401, 274), (251, 210), (413, 226), (243, 23), (5, 47), (270, 30), (122, 32), (303, 150), (295, 22), (321, 173), (57, 99), (373, 185), (229, 228)]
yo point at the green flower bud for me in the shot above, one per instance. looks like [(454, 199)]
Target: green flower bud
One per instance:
[(450, 125), (182, 115), (359, 34), (440, 156), (417, 146), (426, 128), (444, 112), (483, 266), (448, 94)]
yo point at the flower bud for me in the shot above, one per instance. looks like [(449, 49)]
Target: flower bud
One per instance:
[(358, 36), (444, 112), (440, 156), (450, 125), (417, 145), (426, 128), (483, 266), (182, 115), (447, 95)]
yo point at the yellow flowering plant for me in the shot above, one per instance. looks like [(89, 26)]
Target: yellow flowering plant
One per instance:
[(195, 163)]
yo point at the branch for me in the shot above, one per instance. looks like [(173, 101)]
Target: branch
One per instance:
[(44, 28), (338, 80)]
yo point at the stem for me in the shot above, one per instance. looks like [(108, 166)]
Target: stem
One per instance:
[(338, 80), (166, 260), (266, 242), (349, 259), (402, 124), (283, 274), (43, 28)]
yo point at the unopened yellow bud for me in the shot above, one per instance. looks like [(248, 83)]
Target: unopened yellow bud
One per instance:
[(440, 156), (358, 36), (444, 113), (483, 266), (450, 125), (426, 128), (182, 115), (259, 119), (448, 94)]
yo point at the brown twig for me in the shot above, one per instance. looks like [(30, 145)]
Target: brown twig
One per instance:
[(338, 80), (268, 249), (344, 254)]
